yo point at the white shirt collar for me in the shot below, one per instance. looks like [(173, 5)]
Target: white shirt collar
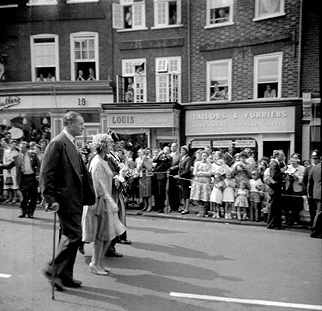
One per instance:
[(70, 137)]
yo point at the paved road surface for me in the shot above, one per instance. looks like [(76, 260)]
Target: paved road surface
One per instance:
[(166, 256)]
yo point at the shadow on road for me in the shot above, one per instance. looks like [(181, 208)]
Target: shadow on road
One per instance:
[(155, 230), (179, 251), (132, 302), (167, 268)]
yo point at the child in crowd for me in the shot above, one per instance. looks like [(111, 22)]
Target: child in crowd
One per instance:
[(229, 195), (217, 195), (256, 195), (241, 202)]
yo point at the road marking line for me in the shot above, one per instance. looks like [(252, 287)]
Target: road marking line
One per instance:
[(248, 301), (5, 276)]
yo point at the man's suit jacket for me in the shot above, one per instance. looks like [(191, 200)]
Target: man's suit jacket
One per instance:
[(277, 175), (34, 162), (315, 182), (65, 179)]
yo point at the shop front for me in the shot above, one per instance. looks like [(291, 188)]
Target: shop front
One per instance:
[(260, 129), (143, 125), (36, 108)]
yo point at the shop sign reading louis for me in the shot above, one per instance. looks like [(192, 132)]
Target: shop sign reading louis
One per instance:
[(242, 120), (9, 101), (123, 119)]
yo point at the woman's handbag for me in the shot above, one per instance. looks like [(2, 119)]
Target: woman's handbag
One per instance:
[(8, 181)]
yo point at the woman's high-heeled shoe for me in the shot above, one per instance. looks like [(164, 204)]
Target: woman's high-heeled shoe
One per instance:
[(96, 270), (107, 269)]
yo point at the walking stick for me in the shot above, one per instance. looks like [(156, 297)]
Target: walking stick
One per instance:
[(53, 209)]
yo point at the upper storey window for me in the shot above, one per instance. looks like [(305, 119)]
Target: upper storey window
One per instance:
[(129, 15), (268, 8), (44, 58), (219, 13), (167, 13)]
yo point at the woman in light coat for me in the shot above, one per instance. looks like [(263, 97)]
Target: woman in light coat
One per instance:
[(100, 222)]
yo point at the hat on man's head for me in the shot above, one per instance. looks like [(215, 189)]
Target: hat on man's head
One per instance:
[(315, 154), (185, 148)]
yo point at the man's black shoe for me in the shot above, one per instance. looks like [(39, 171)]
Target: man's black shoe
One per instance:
[(72, 283), (57, 281), (22, 216), (127, 242), (30, 216), (316, 235)]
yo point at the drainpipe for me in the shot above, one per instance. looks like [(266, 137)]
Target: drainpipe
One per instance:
[(300, 49), (188, 48)]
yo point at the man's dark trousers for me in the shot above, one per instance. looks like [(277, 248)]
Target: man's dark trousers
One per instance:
[(28, 187)]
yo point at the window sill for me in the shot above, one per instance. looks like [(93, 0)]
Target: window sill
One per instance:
[(218, 25), (130, 30), (267, 98), (167, 26), (78, 1), (260, 18)]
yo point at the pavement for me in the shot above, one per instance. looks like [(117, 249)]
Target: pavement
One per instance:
[(234, 266)]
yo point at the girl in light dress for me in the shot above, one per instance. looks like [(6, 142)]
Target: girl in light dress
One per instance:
[(217, 196), (229, 195), (256, 195), (241, 202), (200, 187)]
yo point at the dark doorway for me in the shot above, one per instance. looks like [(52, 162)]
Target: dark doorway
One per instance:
[(270, 146)]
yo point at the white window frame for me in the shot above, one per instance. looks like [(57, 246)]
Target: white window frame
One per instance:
[(166, 24), (266, 16), (209, 64), (118, 15), (229, 22), (44, 36), (131, 74), (257, 58), (41, 2), (80, 1), (76, 35), (170, 74)]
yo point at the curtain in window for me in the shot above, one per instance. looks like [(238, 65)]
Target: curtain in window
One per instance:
[(269, 6)]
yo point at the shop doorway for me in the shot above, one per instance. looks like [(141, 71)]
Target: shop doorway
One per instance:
[(134, 141), (270, 146)]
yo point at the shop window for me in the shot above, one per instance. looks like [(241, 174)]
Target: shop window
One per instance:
[(168, 79), (84, 56), (167, 12), (268, 8), (131, 85), (267, 75), (219, 80), (129, 14), (42, 2), (44, 58), (219, 12)]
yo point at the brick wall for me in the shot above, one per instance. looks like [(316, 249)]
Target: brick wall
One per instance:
[(310, 75), (241, 42), (177, 48), (69, 19)]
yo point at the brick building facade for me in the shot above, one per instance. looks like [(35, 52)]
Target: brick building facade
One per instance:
[(43, 48), (240, 51)]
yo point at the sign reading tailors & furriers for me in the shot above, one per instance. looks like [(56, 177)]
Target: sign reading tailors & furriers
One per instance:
[(240, 121)]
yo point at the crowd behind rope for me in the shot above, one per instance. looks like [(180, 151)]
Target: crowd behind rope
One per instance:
[(216, 183)]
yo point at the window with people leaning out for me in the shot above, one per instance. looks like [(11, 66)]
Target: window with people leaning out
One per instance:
[(219, 80), (84, 56), (267, 75), (44, 58), (131, 85), (129, 14), (219, 12), (167, 12)]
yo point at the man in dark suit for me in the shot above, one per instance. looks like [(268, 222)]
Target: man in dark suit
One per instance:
[(27, 168), (66, 183), (315, 192), (173, 197), (315, 159), (275, 182)]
